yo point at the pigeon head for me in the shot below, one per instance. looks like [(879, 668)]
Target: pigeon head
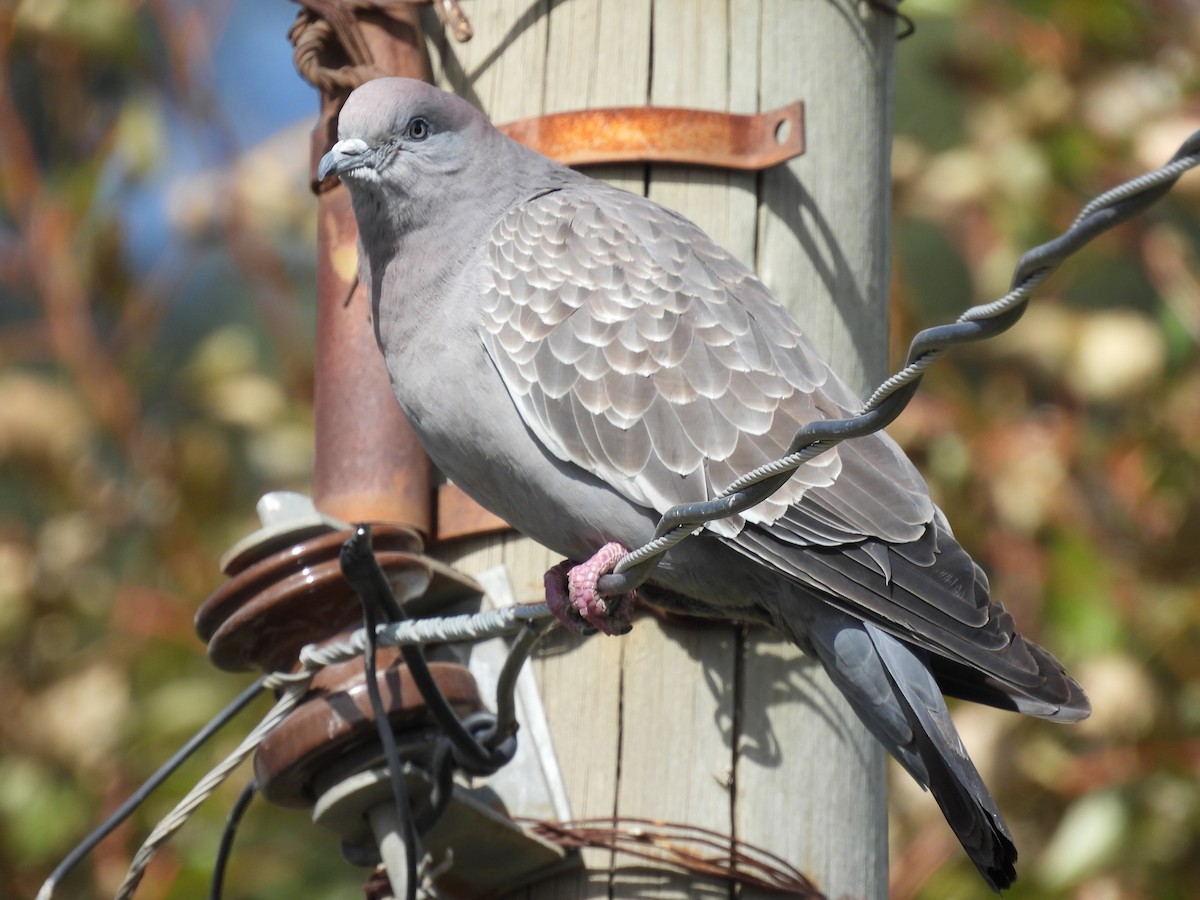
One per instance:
[(398, 132)]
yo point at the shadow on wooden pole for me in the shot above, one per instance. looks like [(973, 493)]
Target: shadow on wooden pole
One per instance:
[(711, 725)]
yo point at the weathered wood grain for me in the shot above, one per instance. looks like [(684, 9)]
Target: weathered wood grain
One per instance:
[(823, 250), (513, 72), (694, 722)]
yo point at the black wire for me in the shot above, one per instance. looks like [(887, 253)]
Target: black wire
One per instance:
[(361, 569), (388, 740), (225, 848), (442, 770), (504, 727), (139, 796), (894, 11), (459, 743)]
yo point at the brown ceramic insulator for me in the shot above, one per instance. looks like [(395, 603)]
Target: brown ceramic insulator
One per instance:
[(369, 465), (261, 617), (325, 730)]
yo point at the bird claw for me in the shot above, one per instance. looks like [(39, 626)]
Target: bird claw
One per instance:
[(572, 595)]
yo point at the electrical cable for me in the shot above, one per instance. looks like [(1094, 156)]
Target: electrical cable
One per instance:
[(362, 570), (505, 725), (225, 848), (126, 809), (388, 741)]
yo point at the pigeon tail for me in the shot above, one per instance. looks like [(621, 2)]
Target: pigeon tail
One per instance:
[(891, 688), (951, 777)]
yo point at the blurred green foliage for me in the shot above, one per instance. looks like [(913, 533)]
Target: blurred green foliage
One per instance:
[(145, 405), (1065, 452)]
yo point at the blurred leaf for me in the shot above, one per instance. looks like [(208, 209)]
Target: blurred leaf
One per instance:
[(39, 811), (139, 138), (1087, 838), (1081, 602), (100, 25)]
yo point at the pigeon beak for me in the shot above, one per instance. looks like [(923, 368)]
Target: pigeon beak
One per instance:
[(344, 156)]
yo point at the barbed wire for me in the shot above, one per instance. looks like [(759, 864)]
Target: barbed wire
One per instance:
[(890, 398), (689, 848)]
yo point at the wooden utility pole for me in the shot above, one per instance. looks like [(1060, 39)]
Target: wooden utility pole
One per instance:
[(709, 725)]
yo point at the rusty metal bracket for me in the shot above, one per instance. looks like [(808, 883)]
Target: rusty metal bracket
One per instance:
[(663, 134), (458, 516)]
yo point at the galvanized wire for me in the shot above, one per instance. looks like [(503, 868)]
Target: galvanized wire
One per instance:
[(465, 628), (294, 689), (889, 399), (126, 809), (294, 685)]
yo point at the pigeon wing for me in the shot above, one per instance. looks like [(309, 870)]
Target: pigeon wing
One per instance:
[(638, 349)]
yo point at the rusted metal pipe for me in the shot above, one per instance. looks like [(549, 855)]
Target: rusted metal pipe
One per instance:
[(369, 464), (286, 587)]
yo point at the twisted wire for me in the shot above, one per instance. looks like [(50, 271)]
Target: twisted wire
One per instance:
[(326, 30), (126, 809), (294, 690), (294, 685), (890, 398), (465, 628)]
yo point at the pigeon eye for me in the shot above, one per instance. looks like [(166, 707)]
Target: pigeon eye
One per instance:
[(418, 129)]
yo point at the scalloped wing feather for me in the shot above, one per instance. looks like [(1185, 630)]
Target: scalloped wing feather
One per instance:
[(636, 348)]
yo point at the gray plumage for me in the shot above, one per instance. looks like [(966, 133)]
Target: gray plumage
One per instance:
[(580, 359)]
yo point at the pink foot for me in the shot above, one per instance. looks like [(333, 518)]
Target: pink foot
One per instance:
[(572, 596)]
